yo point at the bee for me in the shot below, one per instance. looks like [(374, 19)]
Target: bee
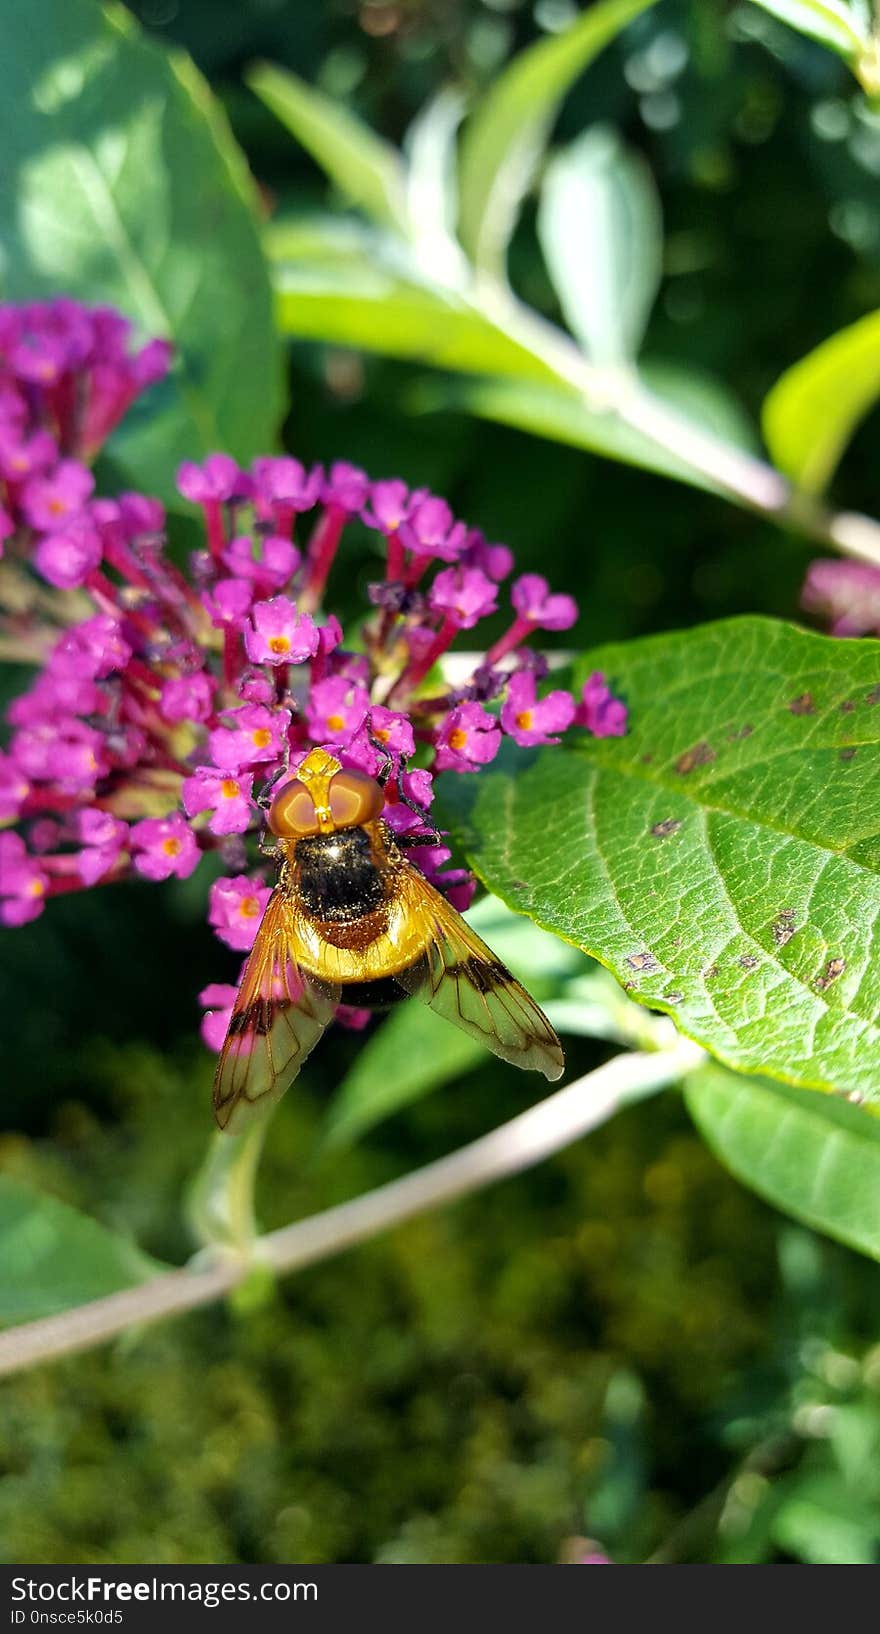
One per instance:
[(352, 919)]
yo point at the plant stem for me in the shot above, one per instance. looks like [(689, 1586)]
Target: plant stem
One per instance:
[(546, 1128), (620, 393), (220, 1207)]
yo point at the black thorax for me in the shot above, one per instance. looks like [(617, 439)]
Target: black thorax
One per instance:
[(338, 879)]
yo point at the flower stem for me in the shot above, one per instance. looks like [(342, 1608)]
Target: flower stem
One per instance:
[(546, 1128), (220, 1206)]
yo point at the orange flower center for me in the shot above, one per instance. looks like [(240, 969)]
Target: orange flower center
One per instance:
[(261, 738), (57, 507), (249, 907), (457, 738), (172, 848), (524, 720), (382, 733), (36, 887), (335, 723), (229, 788), (279, 643)]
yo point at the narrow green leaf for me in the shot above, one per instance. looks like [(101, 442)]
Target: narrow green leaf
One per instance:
[(412, 1051), (814, 1156), (52, 1257), (601, 232), (121, 183), (349, 301), (722, 859), (505, 136), (831, 22), (366, 169), (814, 408), (559, 414), (431, 188)]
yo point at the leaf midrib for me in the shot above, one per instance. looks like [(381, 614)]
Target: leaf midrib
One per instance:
[(105, 212)]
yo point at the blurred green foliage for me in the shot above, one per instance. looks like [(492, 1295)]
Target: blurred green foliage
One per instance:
[(624, 1344), (585, 1351)]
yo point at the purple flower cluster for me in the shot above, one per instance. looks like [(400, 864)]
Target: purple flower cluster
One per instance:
[(164, 702)]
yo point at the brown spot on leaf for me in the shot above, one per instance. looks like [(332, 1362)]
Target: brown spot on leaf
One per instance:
[(667, 826), (848, 754), (743, 732), (700, 755), (783, 927), (873, 697), (647, 759), (803, 705), (833, 969), (672, 998), (749, 961), (847, 707), (709, 972), (644, 962)]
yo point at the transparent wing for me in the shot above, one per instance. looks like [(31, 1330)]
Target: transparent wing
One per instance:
[(279, 1014), (460, 978)]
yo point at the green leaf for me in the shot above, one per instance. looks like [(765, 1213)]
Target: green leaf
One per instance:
[(722, 859), (121, 183), (813, 410), (505, 135), (53, 1257), (414, 1050), (814, 1156), (824, 1522), (374, 299), (366, 169), (831, 22), (561, 415), (601, 232), (431, 188)]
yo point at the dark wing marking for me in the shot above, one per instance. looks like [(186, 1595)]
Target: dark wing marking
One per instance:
[(460, 978), (279, 1014)]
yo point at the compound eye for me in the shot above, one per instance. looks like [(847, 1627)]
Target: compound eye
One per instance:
[(292, 812), (355, 799)]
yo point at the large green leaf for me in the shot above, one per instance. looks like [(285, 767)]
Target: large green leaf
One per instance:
[(722, 859), (506, 133), (602, 235), (812, 1155), (814, 408), (366, 169), (121, 183), (52, 1257)]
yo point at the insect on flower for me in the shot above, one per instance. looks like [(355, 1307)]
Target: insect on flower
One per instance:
[(165, 696), (351, 919)]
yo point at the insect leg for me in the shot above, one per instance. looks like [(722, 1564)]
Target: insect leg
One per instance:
[(387, 768), (382, 777), (264, 798)]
